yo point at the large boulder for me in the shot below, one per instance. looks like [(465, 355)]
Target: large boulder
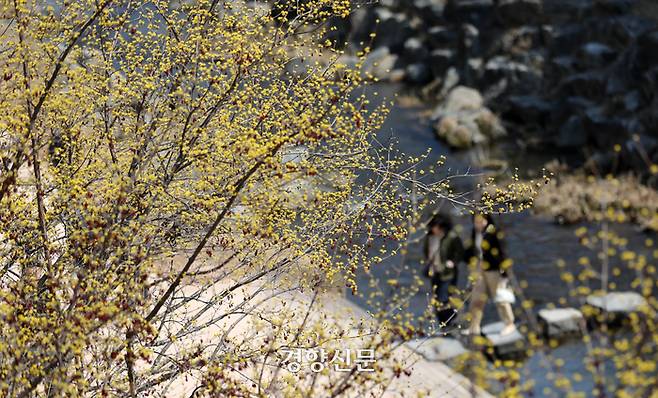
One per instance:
[(441, 36), (564, 39), (502, 67), (470, 38), (393, 30), (520, 40), (613, 7), (595, 55), (477, 12), (441, 60), (519, 12), (418, 73), (561, 67), (559, 11), (463, 120), (647, 50), (379, 63), (430, 11), (363, 22), (572, 134), (529, 110), (631, 101), (587, 84), (414, 51), (338, 31), (618, 32), (606, 131)]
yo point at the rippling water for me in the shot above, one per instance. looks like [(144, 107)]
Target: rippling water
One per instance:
[(534, 243)]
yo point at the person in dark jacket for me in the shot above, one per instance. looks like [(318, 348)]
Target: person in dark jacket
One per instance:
[(487, 252), (443, 252)]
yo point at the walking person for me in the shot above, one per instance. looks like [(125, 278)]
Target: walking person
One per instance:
[(491, 278), (443, 252)]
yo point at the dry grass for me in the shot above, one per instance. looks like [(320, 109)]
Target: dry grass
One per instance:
[(578, 198)]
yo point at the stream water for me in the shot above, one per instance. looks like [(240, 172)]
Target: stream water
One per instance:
[(535, 243)]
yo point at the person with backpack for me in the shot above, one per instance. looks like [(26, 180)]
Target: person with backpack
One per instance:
[(491, 280), (444, 251)]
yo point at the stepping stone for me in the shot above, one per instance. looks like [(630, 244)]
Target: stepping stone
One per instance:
[(617, 302), (512, 344), (437, 348), (558, 322)]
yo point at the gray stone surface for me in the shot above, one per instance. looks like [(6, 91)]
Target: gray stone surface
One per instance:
[(463, 120), (509, 345), (560, 321), (437, 348), (518, 12), (617, 302), (379, 63)]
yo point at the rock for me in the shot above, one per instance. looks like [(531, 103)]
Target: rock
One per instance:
[(595, 55), (437, 348), (474, 68), (338, 31), (463, 98), (430, 11), (519, 12), (392, 4), (632, 101), (647, 50), (519, 41), (363, 22), (613, 7), (397, 76), (561, 67), (560, 11), (618, 32), (617, 84), (440, 61), (601, 163), (567, 107), (414, 51), (458, 133), (489, 124), (617, 302), (477, 12), (529, 109), (572, 134), (501, 67), (418, 74), (585, 84), (379, 63), (441, 36), (463, 121), (511, 345), (449, 81), (649, 81), (393, 30), (558, 322), (470, 36), (564, 39), (607, 131)]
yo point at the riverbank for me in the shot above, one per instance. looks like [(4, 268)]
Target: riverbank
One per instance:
[(332, 312)]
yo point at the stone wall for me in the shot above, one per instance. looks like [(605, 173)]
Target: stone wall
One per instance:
[(567, 74)]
